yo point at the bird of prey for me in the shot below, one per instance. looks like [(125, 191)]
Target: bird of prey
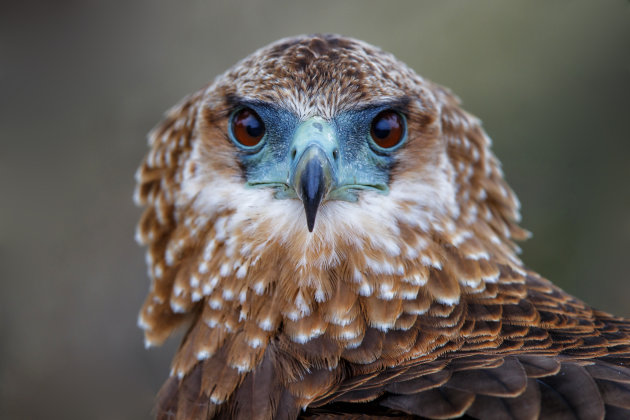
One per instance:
[(338, 241)]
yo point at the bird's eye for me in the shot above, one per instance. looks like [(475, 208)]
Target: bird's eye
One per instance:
[(388, 129), (247, 127)]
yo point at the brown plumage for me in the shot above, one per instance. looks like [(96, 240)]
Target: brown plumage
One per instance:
[(407, 300)]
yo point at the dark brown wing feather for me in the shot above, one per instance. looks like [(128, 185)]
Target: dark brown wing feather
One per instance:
[(550, 357)]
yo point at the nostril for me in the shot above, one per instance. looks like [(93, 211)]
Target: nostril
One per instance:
[(293, 153), (336, 154)]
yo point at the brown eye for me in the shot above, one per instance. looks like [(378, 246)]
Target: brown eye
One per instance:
[(247, 127), (388, 129)]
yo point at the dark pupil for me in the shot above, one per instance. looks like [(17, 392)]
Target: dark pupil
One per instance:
[(382, 128), (253, 126)]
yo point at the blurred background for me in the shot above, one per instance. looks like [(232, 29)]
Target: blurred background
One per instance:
[(82, 82)]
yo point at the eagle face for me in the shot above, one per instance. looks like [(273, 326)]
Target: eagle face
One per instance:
[(337, 237), (345, 131), (317, 160)]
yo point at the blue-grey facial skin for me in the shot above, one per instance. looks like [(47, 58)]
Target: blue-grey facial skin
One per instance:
[(344, 143)]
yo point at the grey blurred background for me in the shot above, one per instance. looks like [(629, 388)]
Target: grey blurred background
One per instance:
[(82, 82)]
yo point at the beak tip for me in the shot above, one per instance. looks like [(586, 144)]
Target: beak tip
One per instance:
[(312, 190), (311, 212)]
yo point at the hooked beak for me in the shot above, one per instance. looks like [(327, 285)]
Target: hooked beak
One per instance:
[(312, 182), (313, 176)]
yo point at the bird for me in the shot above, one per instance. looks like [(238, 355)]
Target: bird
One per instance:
[(336, 239)]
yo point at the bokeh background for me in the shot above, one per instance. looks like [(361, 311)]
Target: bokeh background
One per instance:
[(82, 82)]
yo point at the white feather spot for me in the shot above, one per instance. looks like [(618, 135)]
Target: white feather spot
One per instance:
[(349, 334), (158, 271), (148, 343), (209, 250), (417, 311), (383, 326), (470, 282), (225, 270), (481, 255), (203, 267), (301, 304), (411, 253), (169, 258), (241, 367), (380, 267), (203, 355), (304, 338), (386, 292), (255, 342), (242, 271), (266, 324), (228, 294), (365, 289), (491, 279), (138, 237), (142, 323), (447, 301), (320, 296), (177, 308), (216, 400), (259, 288), (458, 239), (340, 320), (409, 294)]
